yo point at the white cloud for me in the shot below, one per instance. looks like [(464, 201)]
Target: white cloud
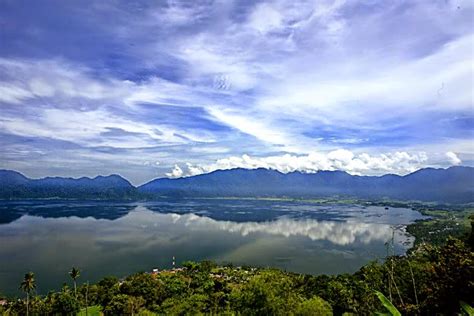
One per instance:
[(90, 128), (41, 88), (177, 172), (230, 69), (192, 170), (341, 159), (177, 13), (384, 94), (453, 158), (265, 18), (304, 89), (13, 94), (56, 78), (250, 125), (67, 103), (64, 82)]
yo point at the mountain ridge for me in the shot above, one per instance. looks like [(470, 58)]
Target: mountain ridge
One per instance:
[(454, 185), (14, 185)]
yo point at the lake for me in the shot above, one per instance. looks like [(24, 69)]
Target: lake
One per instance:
[(117, 238)]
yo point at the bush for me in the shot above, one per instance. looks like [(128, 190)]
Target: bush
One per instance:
[(191, 305), (314, 306), (123, 304), (64, 303), (145, 286), (269, 293)]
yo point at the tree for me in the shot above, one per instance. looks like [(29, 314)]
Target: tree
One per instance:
[(146, 286), (27, 285), (194, 304), (65, 304), (268, 293), (451, 277), (198, 274), (107, 288), (314, 306), (123, 304), (75, 274)]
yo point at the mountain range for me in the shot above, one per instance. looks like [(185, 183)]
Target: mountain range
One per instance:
[(14, 185), (451, 185)]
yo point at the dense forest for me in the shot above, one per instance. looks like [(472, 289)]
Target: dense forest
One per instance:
[(432, 279)]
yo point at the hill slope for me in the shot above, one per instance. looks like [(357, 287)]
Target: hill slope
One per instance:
[(455, 184), (15, 185)]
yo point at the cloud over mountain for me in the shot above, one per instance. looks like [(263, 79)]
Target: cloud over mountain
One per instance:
[(341, 159)]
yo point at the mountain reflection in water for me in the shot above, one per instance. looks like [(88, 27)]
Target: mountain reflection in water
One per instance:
[(122, 238)]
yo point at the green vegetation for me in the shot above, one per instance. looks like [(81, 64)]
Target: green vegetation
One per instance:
[(430, 280), (387, 304), (90, 311), (435, 277), (75, 274), (467, 309), (28, 285), (443, 223)]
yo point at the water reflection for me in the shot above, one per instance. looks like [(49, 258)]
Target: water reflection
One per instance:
[(120, 239), (13, 210), (340, 233)]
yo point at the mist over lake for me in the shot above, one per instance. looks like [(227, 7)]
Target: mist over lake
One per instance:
[(119, 238)]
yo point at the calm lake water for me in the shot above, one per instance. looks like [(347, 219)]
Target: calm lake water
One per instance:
[(104, 238)]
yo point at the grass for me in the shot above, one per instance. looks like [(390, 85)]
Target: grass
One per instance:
[(91, 311)]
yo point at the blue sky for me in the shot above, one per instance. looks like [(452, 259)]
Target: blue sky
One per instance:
[(150, 89)]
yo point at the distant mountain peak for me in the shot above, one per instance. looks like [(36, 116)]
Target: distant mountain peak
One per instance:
[(11, 177), (454, 185), (444, 185), (15, 185)]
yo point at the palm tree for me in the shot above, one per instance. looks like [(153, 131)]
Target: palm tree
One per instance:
[(74, 274), (27, 285)]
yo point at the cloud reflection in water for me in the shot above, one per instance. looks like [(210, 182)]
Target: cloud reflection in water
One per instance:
[(337, 232)]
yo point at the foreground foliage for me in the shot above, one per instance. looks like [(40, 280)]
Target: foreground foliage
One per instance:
[(430, 280)]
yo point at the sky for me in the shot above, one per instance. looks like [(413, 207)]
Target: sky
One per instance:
[(150, 89)]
